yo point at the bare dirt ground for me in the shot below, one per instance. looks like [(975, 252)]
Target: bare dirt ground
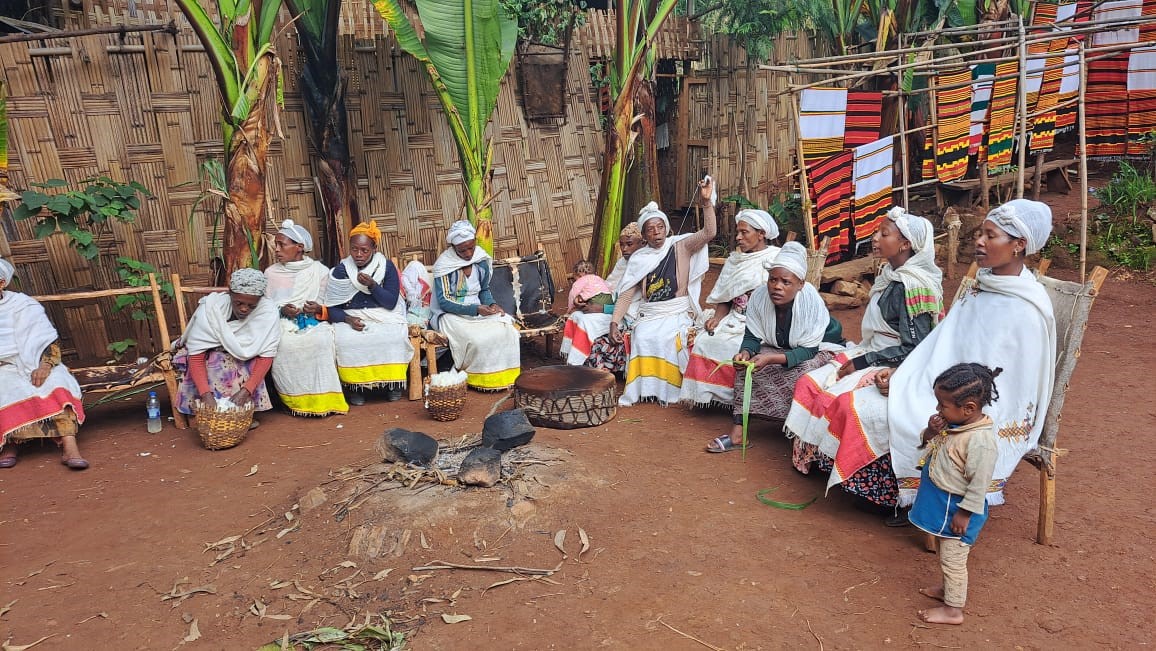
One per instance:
[(677, 538)]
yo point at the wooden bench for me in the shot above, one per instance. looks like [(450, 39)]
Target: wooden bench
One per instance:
[(975, 187), (117, 381)]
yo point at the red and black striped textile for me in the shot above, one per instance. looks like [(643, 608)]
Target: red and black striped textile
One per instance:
[(831, 186), (864, 114)]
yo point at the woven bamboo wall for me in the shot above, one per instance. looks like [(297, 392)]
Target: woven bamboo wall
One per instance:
[(739, 128)]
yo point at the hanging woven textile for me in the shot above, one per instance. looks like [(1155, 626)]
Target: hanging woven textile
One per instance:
[(1142, 87), (864, 114), (831, 180), (953, 111), (872, 177), (927, 165), (1043, 126), (1066, 47), (981, 75), (1001, 125), (822, 121)]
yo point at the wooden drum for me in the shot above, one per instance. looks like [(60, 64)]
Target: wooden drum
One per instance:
[(566, 397)]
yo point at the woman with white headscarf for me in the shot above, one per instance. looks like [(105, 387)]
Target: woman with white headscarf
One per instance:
[(364, 304), (838, 418), (705, 381), (229, 346), (305, 370), (668, 273), (39, 398), (483, 340), (1005, 321), (788, 333)]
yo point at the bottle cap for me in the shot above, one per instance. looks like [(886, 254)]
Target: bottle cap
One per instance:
[(152, 394)]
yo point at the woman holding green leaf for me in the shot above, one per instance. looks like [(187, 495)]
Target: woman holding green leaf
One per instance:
[(789, 332)]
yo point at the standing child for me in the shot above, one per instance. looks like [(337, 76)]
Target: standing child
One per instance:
[(957, 469)]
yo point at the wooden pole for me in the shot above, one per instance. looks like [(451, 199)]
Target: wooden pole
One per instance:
[(804, 191), (1022, 109), (984, 188), (1083, 165), (934, 111), (170, 28), (904, 169), (1038, 176)]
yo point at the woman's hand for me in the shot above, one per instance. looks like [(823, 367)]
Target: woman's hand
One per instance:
[(242, 398), (311, 308), (706, 191), (846, 369), (615, 334), (289, 311), (209, 400), (490, 310), (355, 323), (743, 356), (959, 521), (712, 324), (40, 375), (883, 380), (763, 359), (367, 280)]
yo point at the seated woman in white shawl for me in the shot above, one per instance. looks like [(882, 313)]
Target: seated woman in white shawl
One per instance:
[(836, 408), (39, 398), (229, 345), (305, 370), (788, 333), (364, 304), (1005, 321), (586, 338), (668, 272), (482, 337), (705, 381)]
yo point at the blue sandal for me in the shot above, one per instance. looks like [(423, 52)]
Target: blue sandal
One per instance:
[(725, 444)]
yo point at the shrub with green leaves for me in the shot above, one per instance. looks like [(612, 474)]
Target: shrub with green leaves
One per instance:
[(82, 214)]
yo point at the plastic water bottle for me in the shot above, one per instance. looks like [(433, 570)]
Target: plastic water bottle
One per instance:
[(154, 411)]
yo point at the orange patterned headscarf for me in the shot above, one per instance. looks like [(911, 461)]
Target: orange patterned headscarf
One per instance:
[(368, 229)]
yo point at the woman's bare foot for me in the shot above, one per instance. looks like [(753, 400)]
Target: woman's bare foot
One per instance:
[(942, 615), (935, 593)]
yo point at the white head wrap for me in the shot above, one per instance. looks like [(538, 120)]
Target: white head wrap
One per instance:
[(793, 258), (915, 229), (460, 231), (1026, 219), (250, 282), (297, 233), (6, 270), (761, 220), (650, 211)]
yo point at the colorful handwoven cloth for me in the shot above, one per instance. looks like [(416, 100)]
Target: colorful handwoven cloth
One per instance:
[(1066, 16), (831, 180), (981, 76), (1001, 125), (927, 165), (864, 114), (822, 121), (1141, 121), (1107, 130), (1117, 10), (872, 179), (953, 110)]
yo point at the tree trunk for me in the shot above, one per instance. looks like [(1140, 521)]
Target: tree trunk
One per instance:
[(642, 177), (323, 89), (608, 218), (245, 216)]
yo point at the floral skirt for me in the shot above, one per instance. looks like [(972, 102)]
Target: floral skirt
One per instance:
[(874, 482), (609, 356), (773, 386), (227, 375)]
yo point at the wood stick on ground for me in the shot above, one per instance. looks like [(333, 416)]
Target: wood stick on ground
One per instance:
[(442, 565), (814, 634), (689, 637)]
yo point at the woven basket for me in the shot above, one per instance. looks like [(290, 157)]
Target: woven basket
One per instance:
[(445, 403), (222, 429)]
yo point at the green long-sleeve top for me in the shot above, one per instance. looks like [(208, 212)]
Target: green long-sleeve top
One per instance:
[(795, 356), (912, 330)]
